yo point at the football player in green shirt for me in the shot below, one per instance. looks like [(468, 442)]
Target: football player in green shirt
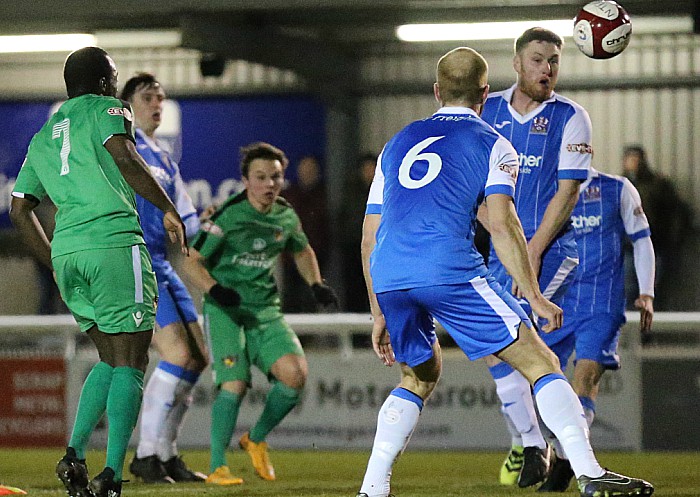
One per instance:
[(232, 260), (85, 160)]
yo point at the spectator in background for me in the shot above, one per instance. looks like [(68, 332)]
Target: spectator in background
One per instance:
[(350, 217), (670, 220), (308, 197)]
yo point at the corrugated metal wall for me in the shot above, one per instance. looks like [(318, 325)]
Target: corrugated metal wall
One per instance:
[(649, 95), (39, 75)]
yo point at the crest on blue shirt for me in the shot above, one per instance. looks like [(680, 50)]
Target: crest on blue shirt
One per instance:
[(539, 125), (591, 194)]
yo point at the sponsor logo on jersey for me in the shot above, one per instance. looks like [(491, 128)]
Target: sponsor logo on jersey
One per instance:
[(120, 111), (539, 126), (258, 259), (586, 223), (444, 118), (138, 317), (581, 148), (510, 169), (212, 228), (502, 124), (591, 194), (528, 161), (259, 244)]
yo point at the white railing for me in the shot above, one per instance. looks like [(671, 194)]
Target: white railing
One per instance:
[(347, 384)]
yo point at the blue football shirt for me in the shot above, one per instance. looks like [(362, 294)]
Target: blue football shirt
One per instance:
[(609, 208), (430, 179), (168, 175), (553, 142)]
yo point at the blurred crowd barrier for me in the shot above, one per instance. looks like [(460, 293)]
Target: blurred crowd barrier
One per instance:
[(651, 403)]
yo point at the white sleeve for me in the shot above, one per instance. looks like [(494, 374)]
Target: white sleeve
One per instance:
[(644, 265), (503, 169), (185, 207), (376, 190), (637, 228), (633, 217), (576, 149)]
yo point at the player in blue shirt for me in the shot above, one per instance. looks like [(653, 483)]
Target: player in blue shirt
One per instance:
[(178, 338), (552, 136), (608, 210), (420, 263)]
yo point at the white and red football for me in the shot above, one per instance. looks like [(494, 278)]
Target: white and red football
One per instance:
[(602, 29)]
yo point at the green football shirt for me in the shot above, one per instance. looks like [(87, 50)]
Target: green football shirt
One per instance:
[(240, 247), (68, 162)]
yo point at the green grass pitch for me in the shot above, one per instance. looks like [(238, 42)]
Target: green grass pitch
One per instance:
[(334, 473)]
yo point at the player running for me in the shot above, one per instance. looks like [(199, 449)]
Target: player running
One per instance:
[(232, 261), (85, 160), (608, 209)]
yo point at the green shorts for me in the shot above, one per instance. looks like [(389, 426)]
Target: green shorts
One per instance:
[(239, 338), (113, 288)]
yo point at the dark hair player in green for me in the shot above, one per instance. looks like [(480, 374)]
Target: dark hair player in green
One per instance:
[(232, 261), (84, 159)]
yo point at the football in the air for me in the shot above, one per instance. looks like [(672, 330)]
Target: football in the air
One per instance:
[(602, 29)]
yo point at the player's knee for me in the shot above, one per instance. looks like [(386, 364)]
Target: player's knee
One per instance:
[(586, 379), (142, 363), (294, 377), (178, 354), (550, 360), (420, 380), (238, 387), (292, 370)]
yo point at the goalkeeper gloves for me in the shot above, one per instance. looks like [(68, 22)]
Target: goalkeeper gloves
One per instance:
[(227, 297), (324, 294)]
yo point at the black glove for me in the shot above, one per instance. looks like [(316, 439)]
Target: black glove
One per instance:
[(324, 294), (227, 297)]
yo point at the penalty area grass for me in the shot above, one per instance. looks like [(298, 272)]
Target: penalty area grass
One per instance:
[(323, 473)]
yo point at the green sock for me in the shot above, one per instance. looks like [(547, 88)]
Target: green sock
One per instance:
[(224, 414), (280, 400), (91, 406), (123, 405)]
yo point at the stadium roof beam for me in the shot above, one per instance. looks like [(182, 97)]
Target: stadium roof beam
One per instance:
[(602, 83), (326, 68)]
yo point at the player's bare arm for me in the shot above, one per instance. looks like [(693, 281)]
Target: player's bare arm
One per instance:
[(557, 214), (196, 273), (482, 215), (380, 335), (645, 304), (508, 240), (137, 173), (307, 265), (29, 228)]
